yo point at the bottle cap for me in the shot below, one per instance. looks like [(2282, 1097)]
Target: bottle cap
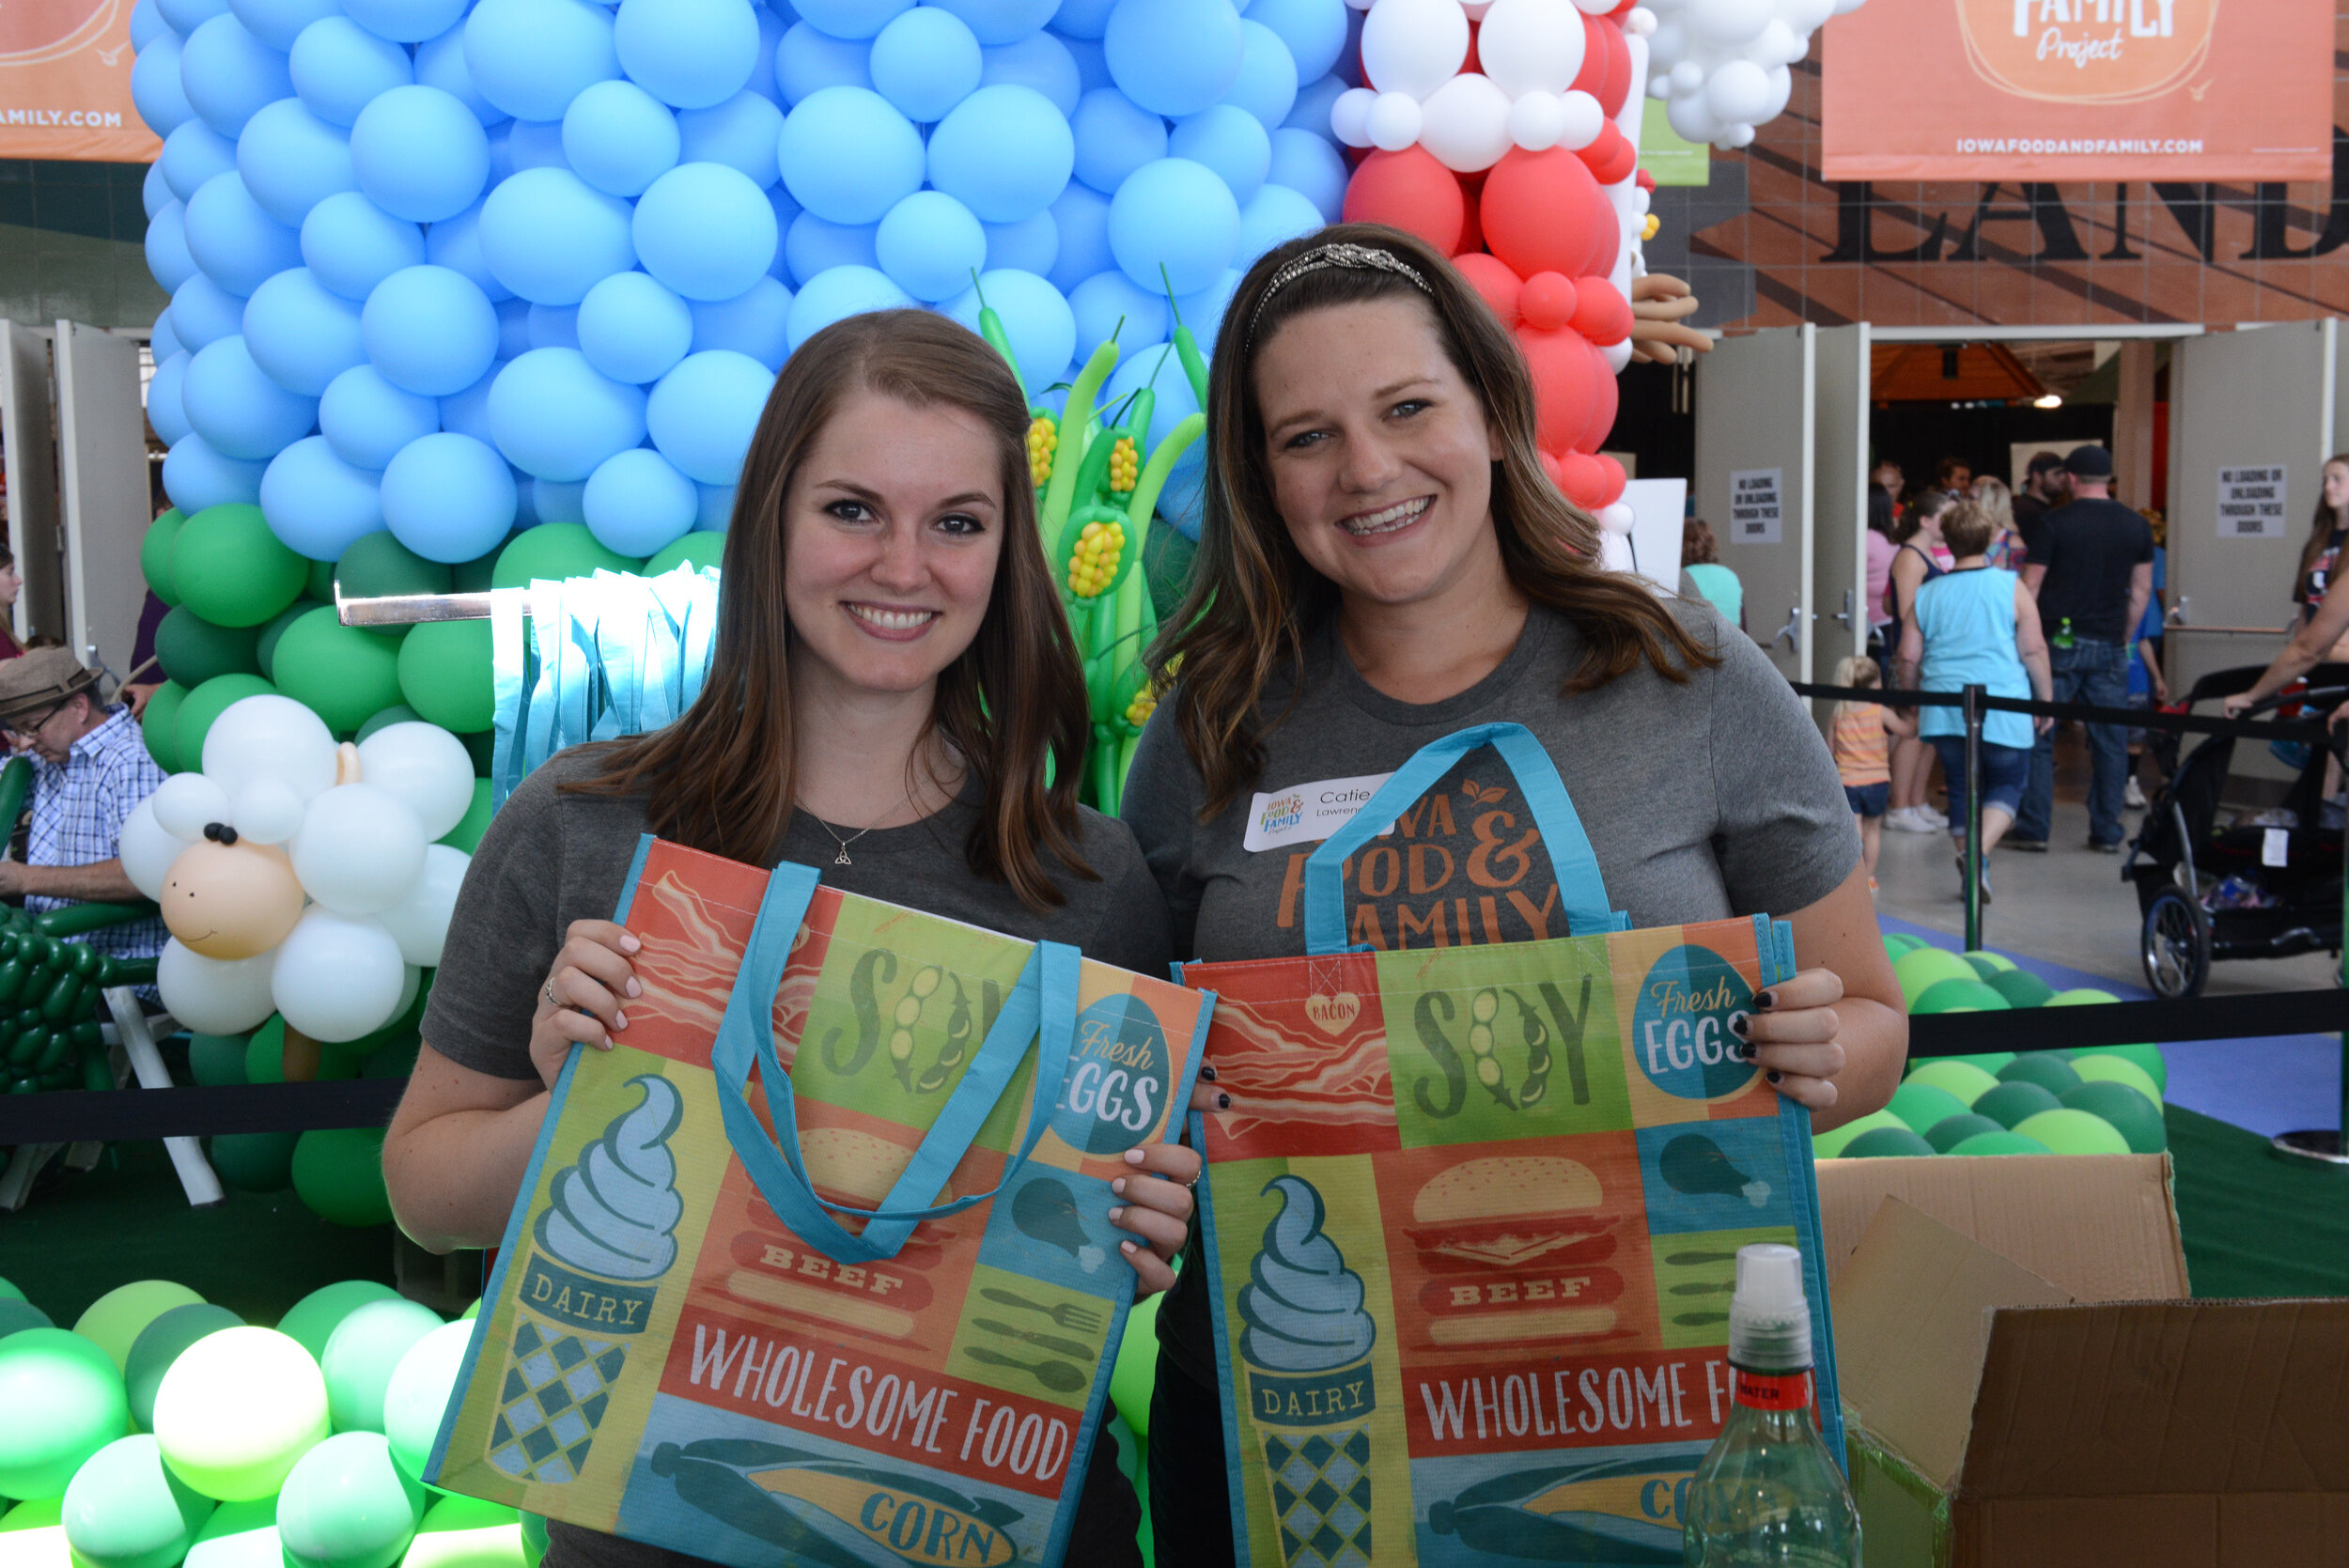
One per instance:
[(1769, 1322)]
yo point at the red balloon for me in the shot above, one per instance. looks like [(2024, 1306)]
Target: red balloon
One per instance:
[(1472, 65), (1566, 372), (1604, 397), (1592, 78), (1490, 276), (1581, 477), (1410, 191), (1551, 466), (1612, 158), (1542, 213), (1617, 83), (1611, 490), (1601, 313), (1471, 232), (1547, 301)]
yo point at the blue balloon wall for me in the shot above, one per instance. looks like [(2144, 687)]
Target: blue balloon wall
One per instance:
[(448, 267)]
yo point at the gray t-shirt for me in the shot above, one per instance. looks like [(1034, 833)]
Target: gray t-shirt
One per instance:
[(1703, 800), (550, 858)]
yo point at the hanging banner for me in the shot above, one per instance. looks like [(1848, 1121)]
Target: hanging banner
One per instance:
[(2079, 89), (65, 84)]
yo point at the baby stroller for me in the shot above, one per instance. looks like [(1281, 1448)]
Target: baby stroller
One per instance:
[(2218, 879)]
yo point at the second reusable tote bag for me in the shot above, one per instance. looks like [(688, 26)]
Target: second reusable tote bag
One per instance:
[(813, 1268), (1471, 1221)]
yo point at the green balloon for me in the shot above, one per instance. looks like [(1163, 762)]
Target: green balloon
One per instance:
[(1921, 1104), (339, 1173), (534, 1525), (239, 1535), (312, 1321), (1962, 1079), (2021, 988), (478, 576), (1988, 1061), (205, 704), (2137, 1119), (1918, 968), (378, 566), (1948, 1134), (1957, 996), (399, 713), (2074, 1132), (2012, 1103), (32, 1535), (18, 1314), (1887, 1143), (125, 1509), (1830, 1144), (1896, 943), (265, 647), (155, 556), (2046, 1069), (343, 673), (466, 836), (192, 650), (230, 569), (114, 1319), (159, 1344), (264, 1053), (2118, 1069), (396, 1060), (2000, 1144), (1986, 963), (360, 1357), (157, 724), (472, 1310), (254, 1161), (482, 747), (237, 1410), (698, 549), (445, 673), (2148, 1058), (321, 585), (2086, 996), (10, 1290), (467, 1532), (217, 1060), (345, 1505), (64, 1400), (555, 550), (419, 1392)]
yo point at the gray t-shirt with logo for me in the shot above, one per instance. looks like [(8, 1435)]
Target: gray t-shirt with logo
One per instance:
[(1703, 800)]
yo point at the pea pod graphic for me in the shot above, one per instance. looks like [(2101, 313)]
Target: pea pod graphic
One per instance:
[(862, 987), (958, 1046), (1536, 1082), (1481, 1012), (906, 1014)]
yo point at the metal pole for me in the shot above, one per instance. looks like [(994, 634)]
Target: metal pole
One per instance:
[(1971, 709), (2326, 1145)]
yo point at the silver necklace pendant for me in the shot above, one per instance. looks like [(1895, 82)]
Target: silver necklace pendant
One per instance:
[(842, 857)]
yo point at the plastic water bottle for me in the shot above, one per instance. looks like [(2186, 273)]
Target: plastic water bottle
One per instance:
[(1768, 1492)]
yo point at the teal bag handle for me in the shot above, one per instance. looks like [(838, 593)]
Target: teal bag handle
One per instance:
[(1042, 1006), (1581, 891)]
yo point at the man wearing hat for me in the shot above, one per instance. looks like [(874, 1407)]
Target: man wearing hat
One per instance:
[(2043, 491), (2092, 568), (91, 770)]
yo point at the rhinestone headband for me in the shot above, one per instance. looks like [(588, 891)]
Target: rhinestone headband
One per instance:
[(1364, 257)]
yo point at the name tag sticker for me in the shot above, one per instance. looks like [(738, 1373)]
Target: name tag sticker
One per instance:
[(1307, 814)]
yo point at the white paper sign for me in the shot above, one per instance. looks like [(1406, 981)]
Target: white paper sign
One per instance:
[(2251, 503), (2275, 847), (1754, 506)]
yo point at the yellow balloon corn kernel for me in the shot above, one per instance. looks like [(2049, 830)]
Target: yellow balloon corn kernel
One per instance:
[(1043, 441), (1125, 466), (1093, 567)]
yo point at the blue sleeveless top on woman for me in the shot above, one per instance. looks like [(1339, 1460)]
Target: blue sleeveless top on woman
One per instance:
[(1968, 619)]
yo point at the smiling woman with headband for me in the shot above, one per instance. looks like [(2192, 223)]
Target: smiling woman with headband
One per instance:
[(1383, 562)]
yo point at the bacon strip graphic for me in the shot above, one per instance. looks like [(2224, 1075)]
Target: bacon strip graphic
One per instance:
[(1289, 1071)]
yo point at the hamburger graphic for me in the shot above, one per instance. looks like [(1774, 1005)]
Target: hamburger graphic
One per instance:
[(1512, 1247)]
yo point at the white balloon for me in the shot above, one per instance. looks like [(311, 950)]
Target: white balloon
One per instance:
[(1466, 123), (1413, 46), (1781, 88), (1778, 45), (1690, 119), (1595, 8), (1730, 23), (426, 767), (1617, 355), (269, 737), (1735, 137), (1660, 86), (1688, 77), (1806, 16), (1531, 46), (185, 803), (1639, 23), (1537, 120), (147, 849), (1737, 91), (267, 810), (359, 849), (338, 977), (1357, 4), (1349, 116), (1616, 517), (409, 985), (1665, 47), (419, 923), (215, 996), (1395, 121), (1585, 120)]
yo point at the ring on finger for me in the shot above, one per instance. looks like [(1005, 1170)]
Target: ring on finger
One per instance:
[(553, 1001)]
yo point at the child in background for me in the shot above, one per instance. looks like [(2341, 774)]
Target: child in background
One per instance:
[(1864, 756)]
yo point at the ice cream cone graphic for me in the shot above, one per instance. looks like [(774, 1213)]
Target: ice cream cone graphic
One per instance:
[(593, 1267), (1311, 1394)]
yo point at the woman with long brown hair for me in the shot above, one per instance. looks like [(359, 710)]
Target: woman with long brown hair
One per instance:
[(1383, 562), (2328, 531), (893, 697)]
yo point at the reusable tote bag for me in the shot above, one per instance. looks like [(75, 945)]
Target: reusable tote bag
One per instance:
[(692, 1342), (1470, 1223)]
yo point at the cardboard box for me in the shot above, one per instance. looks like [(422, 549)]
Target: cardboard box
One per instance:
[(2023, 1389)]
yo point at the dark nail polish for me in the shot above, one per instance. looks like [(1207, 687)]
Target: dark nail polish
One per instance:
[(1207, 1072), (1223, 1102), (1740, 1025), (1765, 1001), (1745, 1051), (1777, 1076)]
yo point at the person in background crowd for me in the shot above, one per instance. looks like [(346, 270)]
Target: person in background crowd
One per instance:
[(1864, 756), (1700, 558), (1976, 626), (1881, 550), (2147, 689), (1919, 537), (1954, 474), (2007, 551), (11, 585), (147, 674), (2092, 572), (90, 770), (1887, 476), (2327, 530), (2044, 490)]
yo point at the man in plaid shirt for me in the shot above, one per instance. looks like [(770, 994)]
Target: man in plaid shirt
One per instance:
[(91, 770)]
